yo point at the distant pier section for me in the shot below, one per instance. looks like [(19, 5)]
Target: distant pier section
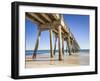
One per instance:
[(55, 24)]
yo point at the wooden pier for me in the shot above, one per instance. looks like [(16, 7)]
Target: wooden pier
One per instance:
[(55, 24)]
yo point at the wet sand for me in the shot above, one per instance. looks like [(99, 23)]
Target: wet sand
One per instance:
[(43, 61)]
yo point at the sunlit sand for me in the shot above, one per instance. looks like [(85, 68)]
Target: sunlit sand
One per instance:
[(44, 60)]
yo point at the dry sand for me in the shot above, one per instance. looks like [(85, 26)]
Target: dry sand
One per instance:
[(43, 61)]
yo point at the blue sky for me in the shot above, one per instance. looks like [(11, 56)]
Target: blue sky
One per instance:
[(78, 24)]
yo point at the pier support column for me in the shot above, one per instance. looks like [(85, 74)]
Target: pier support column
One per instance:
[(51, 48), (55, 45), (63, 45), (66, 47), (69, 45), (60, 43), (73, 47), (36, 45)]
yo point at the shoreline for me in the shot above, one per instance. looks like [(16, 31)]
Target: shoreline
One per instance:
[(43, 61)]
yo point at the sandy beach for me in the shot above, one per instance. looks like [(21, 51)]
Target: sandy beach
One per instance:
[(43, 60)]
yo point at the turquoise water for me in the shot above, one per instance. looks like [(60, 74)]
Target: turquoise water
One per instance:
[(30, 52)]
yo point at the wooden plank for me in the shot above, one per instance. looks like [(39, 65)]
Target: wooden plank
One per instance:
[(56, 16), (29, 17), (46, 17), (37, 17)]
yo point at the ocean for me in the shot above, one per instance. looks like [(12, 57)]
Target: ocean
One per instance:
[(30, 52)]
